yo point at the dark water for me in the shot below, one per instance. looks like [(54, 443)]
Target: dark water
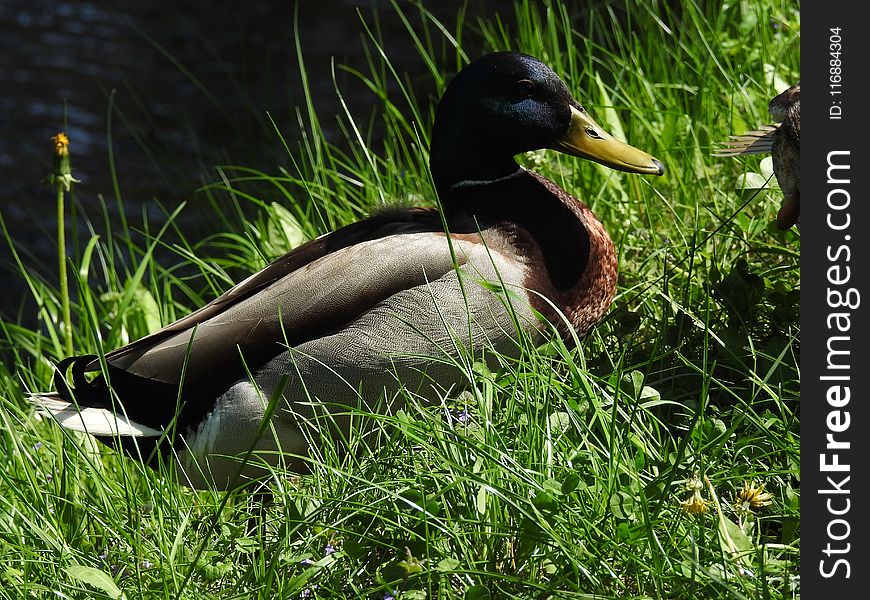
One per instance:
[(190, 83)]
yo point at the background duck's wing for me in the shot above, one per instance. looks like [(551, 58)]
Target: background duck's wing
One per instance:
[(752, 142)]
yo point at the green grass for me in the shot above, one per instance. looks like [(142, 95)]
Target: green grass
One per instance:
[(567, 476)]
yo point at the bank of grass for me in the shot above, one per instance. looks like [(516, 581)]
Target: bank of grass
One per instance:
[(566, 474)]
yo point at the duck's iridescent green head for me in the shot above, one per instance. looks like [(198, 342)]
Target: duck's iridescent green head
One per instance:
[(507, 103)]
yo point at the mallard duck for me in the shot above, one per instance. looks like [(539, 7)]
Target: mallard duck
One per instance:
[(783, 141), (340, 321)]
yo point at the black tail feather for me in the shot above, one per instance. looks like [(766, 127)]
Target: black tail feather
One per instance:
[(86, 393), (97, 394)]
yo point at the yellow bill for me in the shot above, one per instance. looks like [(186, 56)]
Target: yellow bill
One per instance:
[(586, 139)]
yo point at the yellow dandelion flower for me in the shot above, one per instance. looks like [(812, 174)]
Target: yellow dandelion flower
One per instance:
[(695, 504), (61, 144), (62, 175), (752, 497)]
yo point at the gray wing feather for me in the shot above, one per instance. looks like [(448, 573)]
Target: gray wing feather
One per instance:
[(306, 304)]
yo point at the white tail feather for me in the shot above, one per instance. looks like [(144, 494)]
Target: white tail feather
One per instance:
[(95, 421)]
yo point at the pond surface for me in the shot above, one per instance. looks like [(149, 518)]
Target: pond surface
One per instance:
[(190, 85)]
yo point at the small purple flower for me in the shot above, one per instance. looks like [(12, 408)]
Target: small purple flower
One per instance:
[(390, 596), (328, 550), (145, 564), (460, 416), (37, 445), (307, 562)]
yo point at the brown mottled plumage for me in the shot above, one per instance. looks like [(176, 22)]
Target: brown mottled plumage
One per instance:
[(783, 141), (786, 153), (348, 320)]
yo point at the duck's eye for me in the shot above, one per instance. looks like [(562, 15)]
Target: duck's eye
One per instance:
[(525, 87)]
